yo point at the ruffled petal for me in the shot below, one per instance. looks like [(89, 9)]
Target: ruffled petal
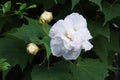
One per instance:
[(56, 47), (77, 20), (87, 45), (71, 55), (57, 28)]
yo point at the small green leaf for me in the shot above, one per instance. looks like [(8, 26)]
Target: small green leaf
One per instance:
[(46, 42), (3, 64), (46, 28), (59, 1), (6, 7), (32, 6), (23, 6), (74, 2), (19, 3), (46, 39), (110, 11), (98, 2)]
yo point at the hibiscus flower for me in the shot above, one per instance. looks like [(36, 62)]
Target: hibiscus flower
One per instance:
[(70, 36)]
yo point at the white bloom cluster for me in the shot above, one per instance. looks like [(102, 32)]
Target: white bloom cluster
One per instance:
[(70, 36)]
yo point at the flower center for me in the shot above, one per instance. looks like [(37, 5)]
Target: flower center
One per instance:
[(66, 34)]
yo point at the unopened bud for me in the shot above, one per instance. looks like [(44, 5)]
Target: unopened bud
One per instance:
[(32, 48), (46, 17)]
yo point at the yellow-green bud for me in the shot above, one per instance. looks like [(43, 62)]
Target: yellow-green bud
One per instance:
[(46, 17), (32, 48)]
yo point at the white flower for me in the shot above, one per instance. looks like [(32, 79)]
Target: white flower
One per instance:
[(46, 17), (32, 48), (70, 36)]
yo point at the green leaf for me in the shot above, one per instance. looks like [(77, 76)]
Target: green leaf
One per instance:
[(14, 50), (98, 2), (60, 71), (115, 40), (46, 28), (89, 69), (101, 48), (46, 42), (32, 6), (3, 64), (23, 6), (59, 1), (105, 31), (94, 28), (29, 33), (110, 11), (6, 7), (74, 2), (46, 39), (19, 3)]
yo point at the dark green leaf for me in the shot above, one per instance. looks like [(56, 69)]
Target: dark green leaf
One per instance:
[(105, 31), (23, 6), (60, 71), (101, 48), (97, 28), (59, 1), (46, 42), (32, 6), (115, 40), (110, 11), (30, 32), (89, 69), (46, 28), (74, 2), (6, 7), (94, 28), (98, 2), (3, 64), (14, 50)]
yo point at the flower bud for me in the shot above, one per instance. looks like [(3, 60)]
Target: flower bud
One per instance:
[(46, 17), (32, 48)]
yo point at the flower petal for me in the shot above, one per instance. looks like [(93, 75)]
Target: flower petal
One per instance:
[(71, 55), (56, 47), (78, 20), (87, 45), (85, 34), (57, 28)]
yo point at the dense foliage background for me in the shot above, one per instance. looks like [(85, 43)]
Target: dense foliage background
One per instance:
[(19, 25)]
